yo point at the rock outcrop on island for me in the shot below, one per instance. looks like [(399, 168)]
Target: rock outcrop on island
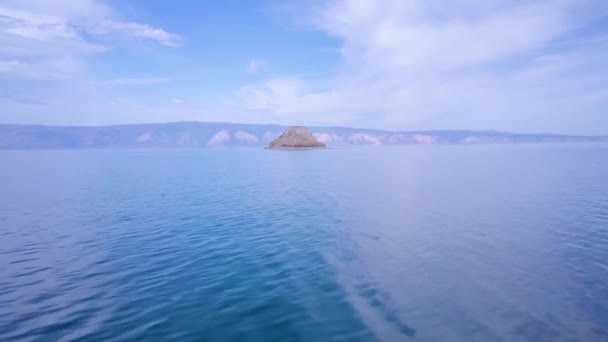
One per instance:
[(296, 137)]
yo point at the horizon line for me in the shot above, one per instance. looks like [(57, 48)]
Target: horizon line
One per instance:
[(308, 126)]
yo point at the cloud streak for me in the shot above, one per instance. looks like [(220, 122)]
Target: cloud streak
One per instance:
[(128, 29)]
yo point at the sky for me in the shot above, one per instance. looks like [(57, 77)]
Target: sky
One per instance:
[(511, 65)]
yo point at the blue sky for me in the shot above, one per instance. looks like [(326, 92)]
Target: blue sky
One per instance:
[(393, 64)]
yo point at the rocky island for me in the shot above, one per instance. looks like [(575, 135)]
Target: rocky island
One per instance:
[(296, 137)]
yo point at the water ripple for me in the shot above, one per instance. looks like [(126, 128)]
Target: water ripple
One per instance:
[(356, 245)]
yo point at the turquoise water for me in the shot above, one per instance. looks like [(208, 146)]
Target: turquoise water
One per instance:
[(445, 243)]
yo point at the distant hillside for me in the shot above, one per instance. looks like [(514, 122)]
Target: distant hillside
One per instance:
[(212, 134)]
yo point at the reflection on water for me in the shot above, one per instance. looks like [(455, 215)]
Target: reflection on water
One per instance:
[(430, 244)]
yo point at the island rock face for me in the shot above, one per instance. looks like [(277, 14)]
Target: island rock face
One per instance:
[(294, 138)]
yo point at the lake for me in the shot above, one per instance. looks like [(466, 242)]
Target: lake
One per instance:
[(420, 243)]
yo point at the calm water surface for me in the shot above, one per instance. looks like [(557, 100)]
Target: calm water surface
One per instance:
[(451, 243)]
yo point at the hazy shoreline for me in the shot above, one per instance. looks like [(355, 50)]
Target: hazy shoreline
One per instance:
[(196, 135)]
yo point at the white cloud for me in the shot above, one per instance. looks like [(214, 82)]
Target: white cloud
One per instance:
[(255, 65), (45, 48), (35, 34), (430, 63), (72, 21), (407, 36), (178, 101)]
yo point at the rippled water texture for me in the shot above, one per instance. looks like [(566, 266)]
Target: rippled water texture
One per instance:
[(443, 243)]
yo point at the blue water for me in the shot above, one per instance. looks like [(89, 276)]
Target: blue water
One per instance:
[(450, 243)]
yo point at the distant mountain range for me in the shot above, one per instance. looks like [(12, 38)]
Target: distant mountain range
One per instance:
[(214, 134)]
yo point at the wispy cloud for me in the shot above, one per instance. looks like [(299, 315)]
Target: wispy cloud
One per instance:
[(45, 53), (38, 35), (255, 65), (30, 27), (463, 63), (137, 30)]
